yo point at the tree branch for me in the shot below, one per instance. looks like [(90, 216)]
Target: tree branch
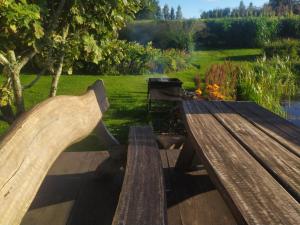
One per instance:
[(25, 59), (36, 79), (3, 60)]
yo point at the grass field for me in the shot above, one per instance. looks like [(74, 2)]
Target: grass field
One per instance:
[(202, 60), (127, 94)]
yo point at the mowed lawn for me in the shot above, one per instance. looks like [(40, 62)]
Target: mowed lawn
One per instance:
[(202, 60), (127, 94)]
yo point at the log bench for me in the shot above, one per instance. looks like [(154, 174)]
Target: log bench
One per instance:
[(38, 138)]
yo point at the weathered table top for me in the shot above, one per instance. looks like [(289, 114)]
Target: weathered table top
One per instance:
[(252, 156)]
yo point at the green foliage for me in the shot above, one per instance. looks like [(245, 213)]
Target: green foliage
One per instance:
[(240, 32), (179, 15), (6, 96), (243, 32), (163, 34), (267, 83), (284, 48), (289, 27), (132, 58), (149, 9), (20, 25), (85, 29)]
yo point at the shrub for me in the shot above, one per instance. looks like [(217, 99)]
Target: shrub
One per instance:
[(296, 70), (168, 61), (221, 81), (283, 48), (133, 58), (289, 27), (238, 32), (177, 34), (224, 32), (267, 83)]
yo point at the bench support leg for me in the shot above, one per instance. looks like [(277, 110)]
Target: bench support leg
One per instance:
[(106, 138), (186, 157), (116, 159)]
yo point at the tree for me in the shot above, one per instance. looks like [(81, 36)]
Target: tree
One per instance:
[(159, 14), (57, 33), (172, 15), (242, 9), (179, 15), (226, 12), (148, 10), (166, 12), (282, 7), (250, 10)]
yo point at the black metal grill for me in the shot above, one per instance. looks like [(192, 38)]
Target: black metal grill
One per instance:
[(158, 83)]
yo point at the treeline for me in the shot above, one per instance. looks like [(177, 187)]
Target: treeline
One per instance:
[(228, 32), (273, 8), (151, 10)]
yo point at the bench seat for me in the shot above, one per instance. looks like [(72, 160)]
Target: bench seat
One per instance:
[(142, 200)]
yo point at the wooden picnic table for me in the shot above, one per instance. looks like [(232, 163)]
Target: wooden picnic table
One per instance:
[(252, 156)]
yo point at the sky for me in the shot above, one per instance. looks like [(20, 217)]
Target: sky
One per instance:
[(193, 8)]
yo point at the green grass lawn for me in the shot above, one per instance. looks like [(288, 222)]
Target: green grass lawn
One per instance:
[(202, 60), (127, 94)]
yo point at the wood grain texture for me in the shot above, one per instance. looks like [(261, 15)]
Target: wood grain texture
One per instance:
[(276, 127), (174, 217), (36, 140), (280, 162), (254, 196), (142, 200)]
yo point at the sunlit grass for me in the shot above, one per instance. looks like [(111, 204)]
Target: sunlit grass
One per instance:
[(127, 94)]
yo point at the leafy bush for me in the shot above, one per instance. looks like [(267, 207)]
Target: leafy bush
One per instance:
[(163, 34), (284, 48), (296, 70), (133, 58), (267, 83), (238, 32), (289, 27)]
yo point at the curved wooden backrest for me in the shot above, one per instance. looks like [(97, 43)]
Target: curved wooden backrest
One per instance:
[(37, 139)]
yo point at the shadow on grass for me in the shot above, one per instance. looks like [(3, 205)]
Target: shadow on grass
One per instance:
[(241, 58)]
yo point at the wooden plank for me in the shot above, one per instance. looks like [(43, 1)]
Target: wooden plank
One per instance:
[(197, 198), (280, 162), (253, 194), (173, 212), (276, 127), (57, 195), (36, 140), (142, 199)]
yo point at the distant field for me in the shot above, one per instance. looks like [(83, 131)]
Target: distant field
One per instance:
[(127, 94)]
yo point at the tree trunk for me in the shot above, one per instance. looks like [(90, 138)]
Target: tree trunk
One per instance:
[(18, 91), (56, 77)]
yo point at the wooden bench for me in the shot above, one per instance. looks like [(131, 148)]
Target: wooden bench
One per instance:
[(37, 139), (255, 167), (142, 200)]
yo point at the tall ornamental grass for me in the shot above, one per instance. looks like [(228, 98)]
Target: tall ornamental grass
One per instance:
[(267, 82)]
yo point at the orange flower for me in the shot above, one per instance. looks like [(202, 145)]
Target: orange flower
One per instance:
[(209, 87), (216, 87), (198, 92)]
